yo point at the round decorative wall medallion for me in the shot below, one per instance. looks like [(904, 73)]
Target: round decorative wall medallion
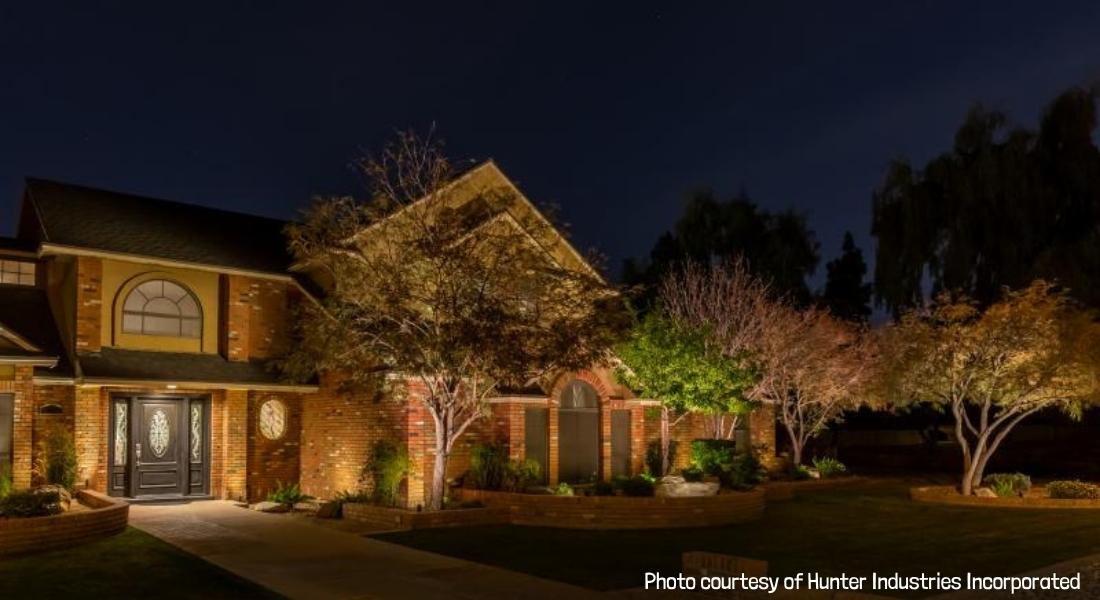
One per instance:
[(273, 419), (159, 433)]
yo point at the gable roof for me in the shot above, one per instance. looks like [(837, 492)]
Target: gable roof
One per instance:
[(93, 219)]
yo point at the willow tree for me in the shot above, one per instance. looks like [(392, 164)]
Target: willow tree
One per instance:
[(453, 284), (672, 364), (1032, 350)]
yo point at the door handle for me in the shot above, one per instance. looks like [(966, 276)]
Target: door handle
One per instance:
[(137, 451)]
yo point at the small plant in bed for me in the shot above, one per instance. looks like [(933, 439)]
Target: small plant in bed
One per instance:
[(562, 489), (1073, 490), (287, 494), (31, 503), (636, 486), (828, 466), (1007, 485)]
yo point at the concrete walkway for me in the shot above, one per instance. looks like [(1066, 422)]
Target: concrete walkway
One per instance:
[(304, 560)]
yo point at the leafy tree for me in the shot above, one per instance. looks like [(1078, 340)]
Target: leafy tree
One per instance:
[(847, 295), (778, 247), (1034, 349), (1001, 208), (672, 363), (446, 285)]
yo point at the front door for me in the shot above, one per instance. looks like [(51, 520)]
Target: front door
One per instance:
[(159, 446)]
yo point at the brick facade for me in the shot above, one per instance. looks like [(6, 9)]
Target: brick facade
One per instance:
[(256, 314), (89, 304), (271, 462)]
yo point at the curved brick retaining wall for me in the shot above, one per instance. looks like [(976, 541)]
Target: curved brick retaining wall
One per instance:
[(618, 512), (948, 495), (104, 518)]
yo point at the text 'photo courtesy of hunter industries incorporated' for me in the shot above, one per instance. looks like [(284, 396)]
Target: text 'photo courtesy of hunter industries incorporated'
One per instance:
[(817, 585)]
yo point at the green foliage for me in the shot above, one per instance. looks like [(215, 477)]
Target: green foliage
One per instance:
[(488, 466), (828, 466), (1073, 490), (745, 472), (31, 503), (711, 456), (672, 363), (356, 497), (692, 474), (5, 481), (388, 466), (288, 494), (56, 463), (1001, 207), (636, 486), (1008, 484), (603, 488), (653, 455), (562, 489), (847, 295), (799, 472), (491, 469)]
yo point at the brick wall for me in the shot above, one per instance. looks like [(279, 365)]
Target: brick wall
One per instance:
[(271, 462), (22, 390), (107, 517), (57, 395), (257, 317), (90, 422), (233, 464), (89, 303)]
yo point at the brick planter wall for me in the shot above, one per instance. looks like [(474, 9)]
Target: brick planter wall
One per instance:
[(618, 512), (35, 534), (399, 518), (948, 495)]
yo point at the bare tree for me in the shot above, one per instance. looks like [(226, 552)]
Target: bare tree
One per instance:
[(453, 282)]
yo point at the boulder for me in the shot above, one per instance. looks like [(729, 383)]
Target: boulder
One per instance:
[(329, 510), (674, 486), (270, 507), (984, 492), (65, 498), (307, 506)]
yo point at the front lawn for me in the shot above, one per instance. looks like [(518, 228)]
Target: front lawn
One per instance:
[(858, 529), (132, 564)]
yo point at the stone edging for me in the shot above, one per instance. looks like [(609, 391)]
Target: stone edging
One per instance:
[(946, 494), (400, 518), (778, 491), (105, 517), (619, 512)]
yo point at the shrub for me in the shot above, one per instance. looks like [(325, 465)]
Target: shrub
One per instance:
[(603, 488), (799, 472), (713, 456), (56, 463), (489, 466), (287, 494), (1073, 490), (639, 485), (1008, 484), (31, 503), (653, 456), (563, 489), (522, 474), (388, 466), (5, 481), (692, 474), (829, 467)]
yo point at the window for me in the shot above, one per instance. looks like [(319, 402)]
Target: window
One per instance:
[(579, 395), (17, 272), (273, 419), (161, 307)]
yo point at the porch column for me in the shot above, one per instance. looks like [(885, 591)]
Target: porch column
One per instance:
[(762, 435), (235, 445), (22, 434), (90, 435)]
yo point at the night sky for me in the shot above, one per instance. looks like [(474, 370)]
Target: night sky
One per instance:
[(612, 113)]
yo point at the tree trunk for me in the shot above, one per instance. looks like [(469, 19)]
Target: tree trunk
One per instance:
[(796, 446), (665, 441), (439, 471)]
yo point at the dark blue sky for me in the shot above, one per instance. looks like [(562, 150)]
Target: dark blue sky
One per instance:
[(611, 112)]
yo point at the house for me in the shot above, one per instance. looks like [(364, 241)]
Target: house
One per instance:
[(147, 328)]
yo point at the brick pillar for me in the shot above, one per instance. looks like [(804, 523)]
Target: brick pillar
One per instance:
[(240, 296), (517, 431), (89, 304), (762, 435), (420, 444), (552, 450), (90, 434), (637, 439), (22, 389), (605, 439), (235, 447)]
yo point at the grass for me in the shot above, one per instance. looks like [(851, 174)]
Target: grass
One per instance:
[(856, 530), (132, 564)]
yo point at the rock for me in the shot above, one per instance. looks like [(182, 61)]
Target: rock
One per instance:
[(307, 506), (984, 492), (62, 493), (270, 507), (674, 486), (329, 510)]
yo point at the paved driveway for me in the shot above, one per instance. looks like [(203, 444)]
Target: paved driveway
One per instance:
[(303, 560)]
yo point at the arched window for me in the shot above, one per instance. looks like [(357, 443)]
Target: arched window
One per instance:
[(578, 394), (161, 307)]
